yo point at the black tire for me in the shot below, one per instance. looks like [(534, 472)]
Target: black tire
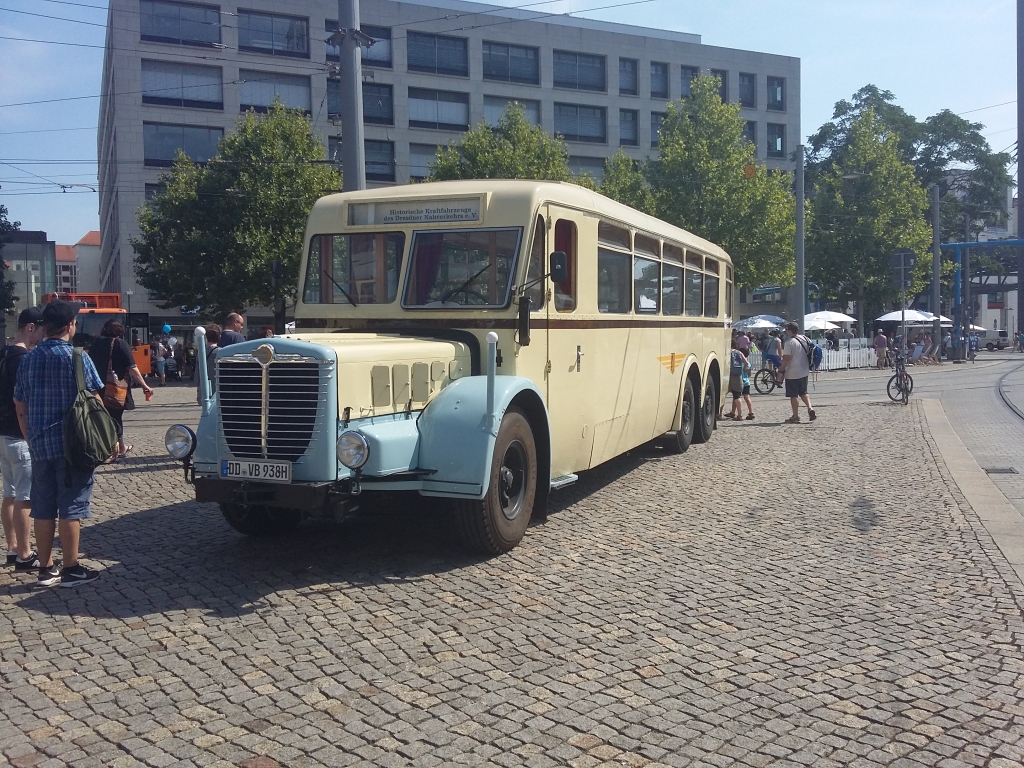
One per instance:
[(708, 415), (261, 521), (895, 391), (764, 382), (498, 522), (680, 441), (990, 347)]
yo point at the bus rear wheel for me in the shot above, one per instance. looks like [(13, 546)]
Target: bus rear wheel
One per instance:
[(498, 522), (260, 521), (708, 416), (680, 441)]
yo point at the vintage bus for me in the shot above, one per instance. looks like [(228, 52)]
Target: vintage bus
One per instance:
[(482, 341)]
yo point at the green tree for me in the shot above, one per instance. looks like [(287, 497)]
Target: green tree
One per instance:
[(7, 297), (211, 238), (858, 221), (706, 180), (624, 180), (514, 149)]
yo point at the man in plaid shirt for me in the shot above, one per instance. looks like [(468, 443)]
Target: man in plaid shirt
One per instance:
[(43, 394)]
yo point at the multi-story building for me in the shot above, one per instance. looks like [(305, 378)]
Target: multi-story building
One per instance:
[(87, 257), (67, 269), (176, 75), (31, 263)]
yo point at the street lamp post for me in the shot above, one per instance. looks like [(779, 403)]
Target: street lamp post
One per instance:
[(129, 293)]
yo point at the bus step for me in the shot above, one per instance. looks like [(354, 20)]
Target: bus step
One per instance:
[(563, 481)]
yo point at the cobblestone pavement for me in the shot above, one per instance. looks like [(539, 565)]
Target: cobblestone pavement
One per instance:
[(724, 607)]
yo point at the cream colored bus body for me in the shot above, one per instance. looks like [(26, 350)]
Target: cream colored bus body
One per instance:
[(610, 381)]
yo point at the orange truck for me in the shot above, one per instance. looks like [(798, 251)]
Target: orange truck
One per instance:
[(95, 309)]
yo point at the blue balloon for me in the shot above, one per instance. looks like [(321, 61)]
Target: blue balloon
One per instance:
[(167, 328)]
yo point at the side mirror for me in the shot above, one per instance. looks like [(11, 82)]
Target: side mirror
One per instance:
[(524, 321), (558, 267)]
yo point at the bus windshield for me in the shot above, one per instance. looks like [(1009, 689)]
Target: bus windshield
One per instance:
[(89, 326), (462, 268)]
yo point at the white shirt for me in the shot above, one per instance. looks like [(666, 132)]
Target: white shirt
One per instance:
[(797, 367)]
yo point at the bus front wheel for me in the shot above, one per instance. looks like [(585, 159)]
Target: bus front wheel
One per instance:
[(260, 521), (680, 441), (498, 522)]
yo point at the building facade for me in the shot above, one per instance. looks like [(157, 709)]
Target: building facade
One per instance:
[(87, 257), (176, 76), (67, 269), (31, 263)]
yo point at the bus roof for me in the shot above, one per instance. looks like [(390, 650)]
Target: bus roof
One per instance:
[(505, 194)]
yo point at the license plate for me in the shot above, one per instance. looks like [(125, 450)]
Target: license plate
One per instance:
[(251, 469)]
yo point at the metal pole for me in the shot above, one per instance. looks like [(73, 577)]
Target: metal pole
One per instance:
[(967, 284), (799, 302), (937, 270), (1020, 169), (351, 69), (957, 293)]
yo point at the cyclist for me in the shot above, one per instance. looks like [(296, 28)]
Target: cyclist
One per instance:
[(772, 348)]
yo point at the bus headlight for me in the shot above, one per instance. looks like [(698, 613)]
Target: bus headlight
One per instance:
[(353, 450), (180, 441)]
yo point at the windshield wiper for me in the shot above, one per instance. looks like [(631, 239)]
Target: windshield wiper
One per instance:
[(465, 285), (350, 299)]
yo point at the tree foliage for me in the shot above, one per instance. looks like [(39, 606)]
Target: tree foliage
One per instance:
[(7, 298), (210, 239), (514, 149), (706, 180), (860, 221)]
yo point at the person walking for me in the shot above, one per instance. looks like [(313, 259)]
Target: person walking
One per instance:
[(796, 369), (232, 330), (880, 343), (15, 460), (739, 384), (44, 391), (112, 355), (158, 354)]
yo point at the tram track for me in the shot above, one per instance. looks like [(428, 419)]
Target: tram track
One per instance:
[(1004, 397)]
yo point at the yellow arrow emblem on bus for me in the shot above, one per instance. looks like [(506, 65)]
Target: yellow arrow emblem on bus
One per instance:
[(672, 361)]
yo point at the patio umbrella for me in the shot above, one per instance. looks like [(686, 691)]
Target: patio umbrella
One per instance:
[(912, 315), (819, 325), (829, 317), (773, 321)]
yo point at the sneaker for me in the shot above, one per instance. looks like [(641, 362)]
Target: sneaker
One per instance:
[(49, 576), (793, 420), (811, 415), (11, 557), (77, 574), (30, 563)]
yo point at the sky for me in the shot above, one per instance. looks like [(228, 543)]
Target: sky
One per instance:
[(932, 54)]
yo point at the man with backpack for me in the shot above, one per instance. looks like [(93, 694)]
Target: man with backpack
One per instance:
[(46, 389), (797, 358)]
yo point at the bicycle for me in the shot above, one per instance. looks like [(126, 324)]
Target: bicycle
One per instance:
[(765, 380), (901, 384)]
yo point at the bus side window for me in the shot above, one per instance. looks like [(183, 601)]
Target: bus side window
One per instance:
[(535, 272), (694, 293), (565, 241), (710, 296), (614, 286), (672, 290)]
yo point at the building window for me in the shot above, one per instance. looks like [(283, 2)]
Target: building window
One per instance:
[(589, 166), (273, 34), (659, 80), (579, 71), (628, 135), (165, 21), (438, 54), (777, 94), (182, 85), (380, 160), (494, 108), (334, 150), (378, 104), (576, 122), (748, 90), (723, 85), (421, 157), (259, 90), (657, 118), (628, 85), (161, 142), (378, 54), (750, 131), (443, 110), (689, 74), (152, 190), (511, 63), (776, 140)]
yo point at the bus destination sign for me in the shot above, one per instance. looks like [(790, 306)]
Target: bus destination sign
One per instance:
[(415, 212)]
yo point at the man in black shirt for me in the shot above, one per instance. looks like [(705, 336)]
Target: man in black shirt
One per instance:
[(232, 330), (15, 461)]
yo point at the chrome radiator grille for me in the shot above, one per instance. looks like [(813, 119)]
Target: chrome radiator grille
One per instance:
[(270, 411)]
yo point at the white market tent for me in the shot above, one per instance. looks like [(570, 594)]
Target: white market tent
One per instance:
[(751, 324), (828, 317), (819, 325), (912, 316)]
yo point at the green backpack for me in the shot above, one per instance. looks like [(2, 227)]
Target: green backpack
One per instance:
[(90, 436)]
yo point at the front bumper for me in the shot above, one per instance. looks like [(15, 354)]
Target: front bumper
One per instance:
[(308, 497)]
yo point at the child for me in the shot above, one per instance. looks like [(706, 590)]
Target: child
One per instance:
[(739, 384)]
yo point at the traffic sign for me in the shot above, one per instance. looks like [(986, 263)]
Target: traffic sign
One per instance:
[(902, 258)]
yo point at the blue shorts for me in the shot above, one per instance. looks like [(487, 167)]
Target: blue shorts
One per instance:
[(161, 367), (775, 359), (52, 499)]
